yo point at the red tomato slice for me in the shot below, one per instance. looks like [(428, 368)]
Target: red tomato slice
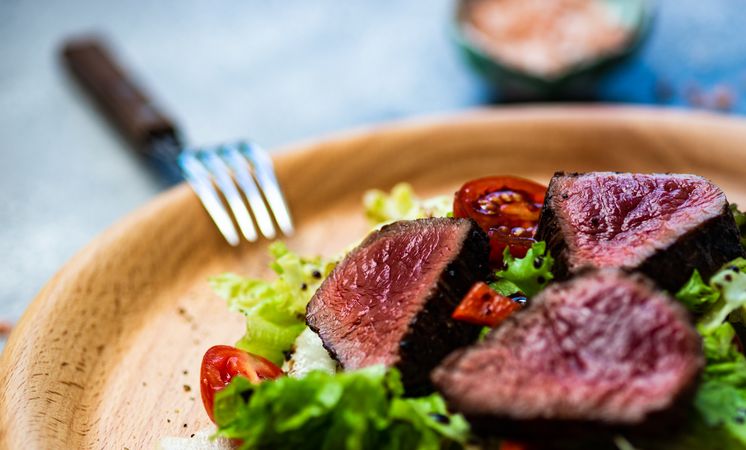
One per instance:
[(507, 208), (222, 362), (519, 240), (483, 306)]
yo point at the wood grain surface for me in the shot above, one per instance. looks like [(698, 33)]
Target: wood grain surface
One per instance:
[(108, 354)]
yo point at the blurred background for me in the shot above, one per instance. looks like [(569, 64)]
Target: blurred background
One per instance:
[(282, 71)]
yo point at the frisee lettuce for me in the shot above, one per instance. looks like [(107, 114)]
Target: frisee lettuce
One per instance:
[(356, 410), (697, 295), (720, 403), (730, 286), (403, 204), (274, 310), (721, 398), (527, 275)]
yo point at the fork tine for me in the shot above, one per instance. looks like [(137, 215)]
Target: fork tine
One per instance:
[(267, 180), (199, 179), (235, 160), (223, 179)]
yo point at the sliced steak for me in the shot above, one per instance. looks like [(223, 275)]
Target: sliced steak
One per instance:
[(664, 225), (603, 352), (390, 300)]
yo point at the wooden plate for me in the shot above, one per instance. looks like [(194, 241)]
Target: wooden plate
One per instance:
[(107, 356)]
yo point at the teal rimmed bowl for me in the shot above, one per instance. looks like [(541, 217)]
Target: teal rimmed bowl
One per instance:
[(577, 80)]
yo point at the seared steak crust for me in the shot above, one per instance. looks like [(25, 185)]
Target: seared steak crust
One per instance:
[(706, 248), (603, 353), (390, 300), (663, 225)]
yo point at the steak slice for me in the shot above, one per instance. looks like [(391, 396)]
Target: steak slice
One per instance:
[(664, 225), (600, 353), (390, 300)]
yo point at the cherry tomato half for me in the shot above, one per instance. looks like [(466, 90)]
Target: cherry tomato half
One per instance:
[(518, 239), (506, 208), (483, 306), (222, 362)]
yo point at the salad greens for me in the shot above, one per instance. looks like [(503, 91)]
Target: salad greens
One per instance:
[(719, 419), (723, 296), (527, 275), (274, 310), (363, 409), (402, 204), (697, 295)]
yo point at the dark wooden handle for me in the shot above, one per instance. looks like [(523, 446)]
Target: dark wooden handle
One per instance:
[(126, 104)]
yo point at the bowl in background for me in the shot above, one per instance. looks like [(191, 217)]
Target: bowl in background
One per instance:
[(576, 80)]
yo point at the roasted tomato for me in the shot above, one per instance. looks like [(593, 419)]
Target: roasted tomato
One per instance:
[(506, 208), (483, 306), (222, 362)]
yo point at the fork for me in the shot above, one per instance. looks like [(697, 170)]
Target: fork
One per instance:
[(236, 174), (241, 167)]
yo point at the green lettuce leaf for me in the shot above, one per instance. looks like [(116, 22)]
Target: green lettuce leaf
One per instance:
[(353, 410), (730, 284), (719, 417), (721, 398), (274, 310), (402, 204), (723, 404), (527, 275), (697, 295)]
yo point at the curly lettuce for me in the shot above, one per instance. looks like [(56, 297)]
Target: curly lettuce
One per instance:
[(274, 310), (403, 204), (697, 295), (719, 419), (723, 297), (527, 275), (359, 410)]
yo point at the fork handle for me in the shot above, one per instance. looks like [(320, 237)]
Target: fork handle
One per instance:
[(118, 95)]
